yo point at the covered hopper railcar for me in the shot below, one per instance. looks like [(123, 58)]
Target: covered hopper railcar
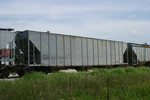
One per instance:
[(44, 51)]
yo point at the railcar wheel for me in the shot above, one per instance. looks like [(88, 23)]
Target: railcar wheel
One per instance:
[(21, 73), (4, 73), (1, 74), (46, 72)]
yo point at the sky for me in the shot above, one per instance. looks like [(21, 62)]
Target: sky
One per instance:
[(120, 20)]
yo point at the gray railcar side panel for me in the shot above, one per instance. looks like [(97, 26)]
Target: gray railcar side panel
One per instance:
[(144, 51), (146, 54), (67, 51), (140, 53), (76, 51), (95, 52), (84, 51), (53, 55), (35, 39), (121, 52), (108, 53), (5, 38), (90, 52), (45, 50), (100, 50), (143, 54), (124, 47), (104, 47), (117, 52), (134, 50), (60, 50), (113, 55)]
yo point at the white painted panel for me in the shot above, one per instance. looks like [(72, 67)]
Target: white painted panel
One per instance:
[(45, 49), (67, 51), (95, 52), (35, 38), (52, 38), (113, 55), (76, 51), (90, 52), (117, 52), (60, 50), (5, 38), (100, 50), (84, 51), (104, 53), (121, 52), (108, 53)]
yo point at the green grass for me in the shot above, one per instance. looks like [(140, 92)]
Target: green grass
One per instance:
[(124, 84)]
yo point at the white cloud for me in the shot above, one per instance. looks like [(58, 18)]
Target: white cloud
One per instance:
[(132, 16), (135, 32), (27, 7)]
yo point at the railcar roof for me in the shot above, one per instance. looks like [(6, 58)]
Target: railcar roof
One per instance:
[(141, 45), (73, 36), (6, 29)]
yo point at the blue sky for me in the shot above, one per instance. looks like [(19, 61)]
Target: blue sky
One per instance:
[(121, 20)]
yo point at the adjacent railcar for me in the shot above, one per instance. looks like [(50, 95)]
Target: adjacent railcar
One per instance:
[(139, 54), (7, 51), (50, 50)]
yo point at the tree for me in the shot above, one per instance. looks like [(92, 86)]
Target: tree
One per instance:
[(145, 43)]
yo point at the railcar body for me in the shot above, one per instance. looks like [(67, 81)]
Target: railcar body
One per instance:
[(139, 54), (57, 50)]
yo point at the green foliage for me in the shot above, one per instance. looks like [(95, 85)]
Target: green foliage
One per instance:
[(33, 75), (124, 84), (145, 43)]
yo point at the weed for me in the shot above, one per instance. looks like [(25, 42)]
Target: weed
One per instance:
[(124, 83)]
